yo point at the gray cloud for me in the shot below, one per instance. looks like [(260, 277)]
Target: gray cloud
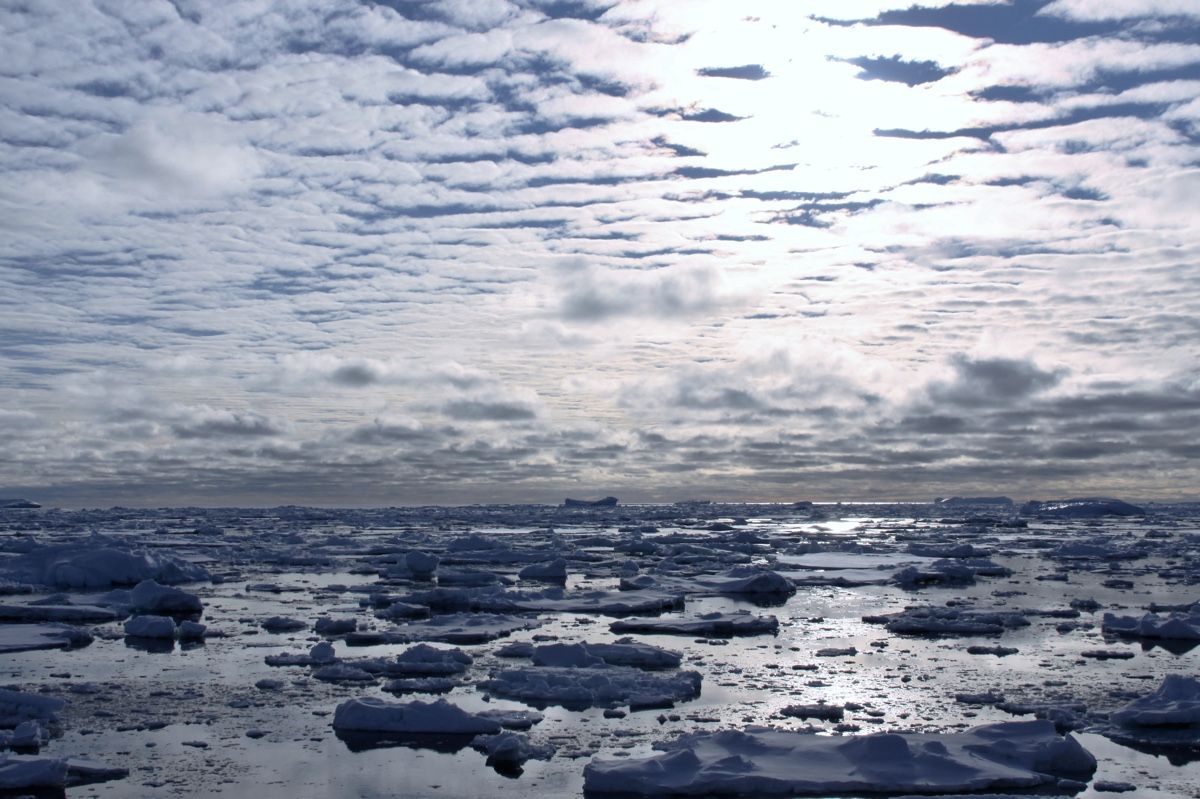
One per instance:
[(208, 423), (479, 410), (993, 381), (592, 295)]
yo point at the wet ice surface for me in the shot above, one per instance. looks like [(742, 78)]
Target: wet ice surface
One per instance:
[(211, 717)]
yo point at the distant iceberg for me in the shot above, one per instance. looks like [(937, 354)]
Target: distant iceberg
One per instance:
[(967, 502), (1081, 508), (607, 502)]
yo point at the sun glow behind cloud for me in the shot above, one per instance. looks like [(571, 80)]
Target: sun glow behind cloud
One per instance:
[(483, 251)]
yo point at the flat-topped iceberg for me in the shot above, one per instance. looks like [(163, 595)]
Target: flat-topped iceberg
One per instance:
[(1176, 703), (949, 621), (30, 637), (424, 660), (597, 686), (715, 624), (19, 706), (765, 762), (507, 751), (738, 581), (369, 714), (625, 652), (18, 772), (150, 597), (1168, 718), (1175, 627), (549, 600), (1082, 508), (455, 628)]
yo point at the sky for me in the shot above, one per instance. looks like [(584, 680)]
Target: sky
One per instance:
[(458, 251)]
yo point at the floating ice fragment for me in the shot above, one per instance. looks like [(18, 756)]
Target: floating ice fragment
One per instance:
[(150, 597), (554, 571), (369, 714), (1177, 626), (713, 624), (162, 627), (603, 686), (764, 762)]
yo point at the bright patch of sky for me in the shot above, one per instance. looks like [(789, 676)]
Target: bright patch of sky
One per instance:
[(490, 250)]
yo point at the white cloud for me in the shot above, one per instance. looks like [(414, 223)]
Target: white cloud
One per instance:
[(1097, 10)]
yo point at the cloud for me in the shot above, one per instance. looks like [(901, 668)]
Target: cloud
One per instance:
[(590, 294), (478, 410), (389, 431), (992, 381), (356, 372), (211, 423), (745, 72), (1095, 10)]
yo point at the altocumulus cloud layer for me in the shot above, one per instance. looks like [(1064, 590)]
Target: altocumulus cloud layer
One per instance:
[(486, 250)]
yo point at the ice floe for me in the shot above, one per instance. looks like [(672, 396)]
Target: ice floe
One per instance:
[(931, 620), (370, 714), (508, 751), (100, 563), (763, 762), (456, 628), (714, 624), (31, 637), (596, 686), (1177, 626), (625, 652)]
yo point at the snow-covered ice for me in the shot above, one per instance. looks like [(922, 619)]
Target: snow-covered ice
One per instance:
[(715, 623), (763, 762), (370, 714), (598, 685)]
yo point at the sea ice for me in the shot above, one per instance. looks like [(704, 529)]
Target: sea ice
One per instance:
[(60, 612), (1085, 508), (421, 685), (427, 661), (283, 624), (321, 654), (509, 750), (19, 706), (457, 628), (420, 564), (29, 637), (1168, 718), (1177, 626), (713, 624), (549, 600), (328, 626), (150, 597), (342, 672), (765, 762), (597, 686), (929, 620), (554, 571), (99, 562), (625, 652), (949, 573), (1176, 703), (18, 772), (740, 580), (150, 627), (369, 714)]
